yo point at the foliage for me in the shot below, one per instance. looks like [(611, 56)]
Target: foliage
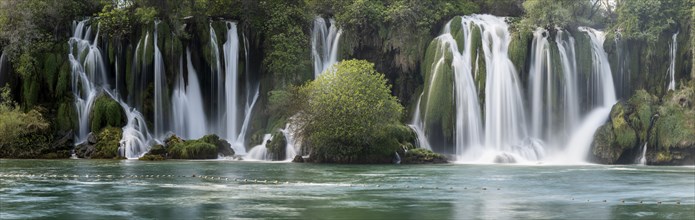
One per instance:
[(287, 41), (106, 112), (24, 25), (22, 135), (119, 21), (347, 108), (559, 13), (647, 19)]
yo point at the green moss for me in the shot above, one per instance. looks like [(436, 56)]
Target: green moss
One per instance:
[(277, 146), (422, 156), (108, 141), (192, 150), (625, 136), (66, 116), (151, 157), (106, 112), (437, 100)]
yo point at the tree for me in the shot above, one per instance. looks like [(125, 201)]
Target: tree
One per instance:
[(350, 115)]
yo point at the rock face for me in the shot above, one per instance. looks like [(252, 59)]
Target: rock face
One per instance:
[(667, 126)]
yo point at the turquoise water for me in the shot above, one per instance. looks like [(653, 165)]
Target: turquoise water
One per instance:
[(130, 189)]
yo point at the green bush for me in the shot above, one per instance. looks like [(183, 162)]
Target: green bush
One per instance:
[(22, 135), (345, 116)]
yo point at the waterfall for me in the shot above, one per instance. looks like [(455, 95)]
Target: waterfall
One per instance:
[(293, 145), (643, 158), (3, 70), (260, 152), (189, 117), (579, 144), (504, 115), (540, 70), (231, 83), (325, 39), (89, 78), (418, 127), (569, 70), (554, 112), (159, 91), (217, 87), (673, 46)]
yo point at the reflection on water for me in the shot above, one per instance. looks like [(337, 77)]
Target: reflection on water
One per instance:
[(88, 189)]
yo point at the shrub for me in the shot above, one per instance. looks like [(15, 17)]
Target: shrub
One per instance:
[(347, 111)]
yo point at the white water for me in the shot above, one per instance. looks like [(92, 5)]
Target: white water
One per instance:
[(418, 127), (554, 111), (643, 157), (159, 89), (260, 152), (325, 39), (673, 47), (3, 71), (189, 119), (88, 80), (293, 145), (503, 136), (231, 59), (579, 145)]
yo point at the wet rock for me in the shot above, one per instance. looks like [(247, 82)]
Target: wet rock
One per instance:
[(298, 159), (422, 156), (505, 158)]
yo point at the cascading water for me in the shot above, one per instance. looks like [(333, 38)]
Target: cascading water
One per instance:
[(673, 46), (418, 128), (579, 144), (88, 80), (504, 132), (555, 124), (325, 39), (293, 145), (3, 70), (159, 89), (260, 152), (550, 110), (643, 158), (188, 115)]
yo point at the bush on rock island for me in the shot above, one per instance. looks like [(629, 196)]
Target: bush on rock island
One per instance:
[(350, 116)]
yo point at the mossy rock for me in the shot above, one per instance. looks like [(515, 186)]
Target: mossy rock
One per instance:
[(192, 150), (151, 157), (625, 136), (223, 147), (108, 141), (603, 148), (422, 156), (207, 147), (277, 146), (66, 117), (106, 112)]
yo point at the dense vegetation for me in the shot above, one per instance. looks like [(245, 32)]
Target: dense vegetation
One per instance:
[(350, 115), (391, 35)]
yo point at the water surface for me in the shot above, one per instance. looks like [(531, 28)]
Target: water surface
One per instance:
[(131, 189)]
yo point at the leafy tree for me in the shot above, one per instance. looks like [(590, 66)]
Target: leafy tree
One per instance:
[(558, 13), (647, 19), (349, 114)]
